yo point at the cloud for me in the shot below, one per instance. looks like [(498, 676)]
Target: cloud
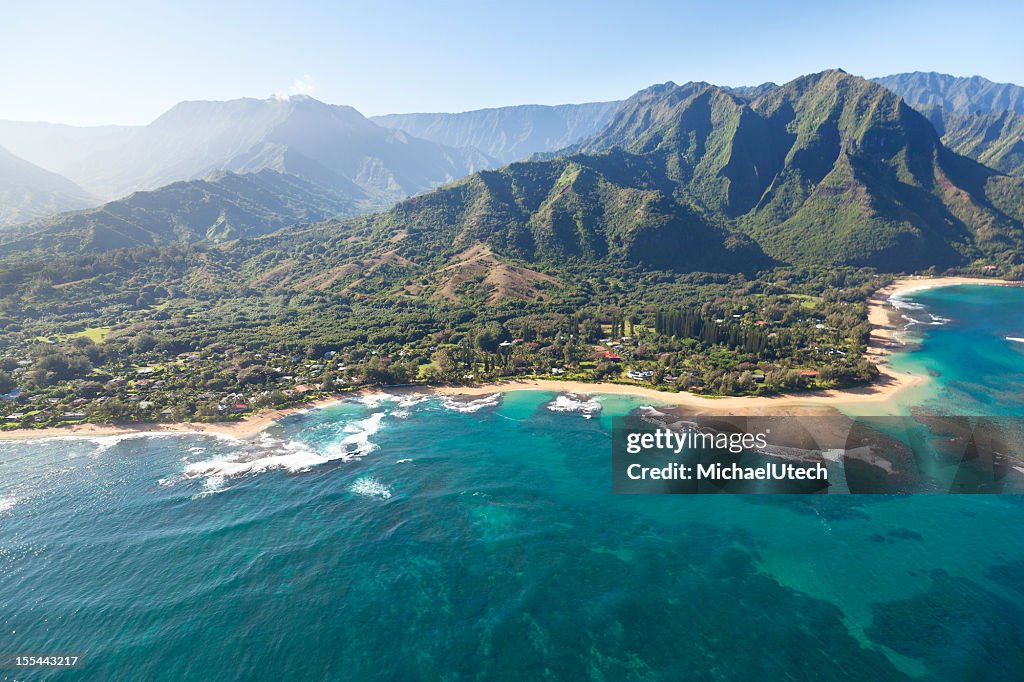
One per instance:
[(301, 85)]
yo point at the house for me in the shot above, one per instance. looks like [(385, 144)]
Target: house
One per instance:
[(609, 355), (73, 415), (557, 371), (636, 375), (15, 416), (809, 373), (13, 395), (303, 388)]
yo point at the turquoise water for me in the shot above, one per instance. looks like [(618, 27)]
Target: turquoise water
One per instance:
[(965, 345), (409, 538)]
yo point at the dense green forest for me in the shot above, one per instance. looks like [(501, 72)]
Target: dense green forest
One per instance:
[(205, 333)]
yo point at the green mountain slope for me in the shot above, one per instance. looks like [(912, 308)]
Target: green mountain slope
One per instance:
[(571, 209), (225, 206), (995, 138), (826, 168), (976, 117)]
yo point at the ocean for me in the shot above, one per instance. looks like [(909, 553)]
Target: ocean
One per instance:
[(405, 537)]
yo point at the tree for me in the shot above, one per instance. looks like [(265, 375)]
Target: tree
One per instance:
[(490, 337)]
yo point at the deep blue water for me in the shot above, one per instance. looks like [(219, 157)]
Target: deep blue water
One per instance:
[(422, 539)]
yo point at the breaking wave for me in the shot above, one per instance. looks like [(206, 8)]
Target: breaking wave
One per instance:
[(934, 321), (370, 487), (357, 443), (374, 400), (7, 503), (572, 402), (1015, 339), (268, 453), (470, 406), (920, 315)]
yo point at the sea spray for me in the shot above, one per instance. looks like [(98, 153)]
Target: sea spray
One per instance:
[(269, 453), (370, 487), (573, 402)]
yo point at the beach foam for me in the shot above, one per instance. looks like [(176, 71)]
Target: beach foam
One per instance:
[(1015, 339), (573, 402), (357, 442), (470, 406), (375, 400)]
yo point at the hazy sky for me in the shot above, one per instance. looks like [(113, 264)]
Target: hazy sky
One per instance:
[(108, 61)]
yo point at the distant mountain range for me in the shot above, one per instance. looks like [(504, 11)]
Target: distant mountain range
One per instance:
[(959, 96), (508, 133), (322, 143), (828, 167), (333, 154), (28, 191), (976, 117), (55, 146)]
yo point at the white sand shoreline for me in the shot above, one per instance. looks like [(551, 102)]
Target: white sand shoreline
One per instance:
[(883, 336)]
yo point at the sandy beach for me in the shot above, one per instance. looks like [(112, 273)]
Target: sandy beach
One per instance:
[(884, 337), (884, 331), (247, 427)]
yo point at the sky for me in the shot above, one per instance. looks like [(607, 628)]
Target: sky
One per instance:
[(117, 62)]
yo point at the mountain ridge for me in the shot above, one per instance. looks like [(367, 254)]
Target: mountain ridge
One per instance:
[(507, 133), (957, 94), (828, 168), (29, 191), (290, 135), (976, 117), (221, 207)]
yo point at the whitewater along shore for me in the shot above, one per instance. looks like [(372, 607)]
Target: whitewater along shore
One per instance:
[(884, 337), (885, 332)]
